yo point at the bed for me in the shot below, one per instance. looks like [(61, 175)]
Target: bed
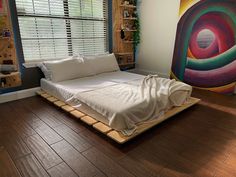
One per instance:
[(119, 104)]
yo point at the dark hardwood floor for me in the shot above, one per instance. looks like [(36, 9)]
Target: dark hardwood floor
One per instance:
[(37, 139)]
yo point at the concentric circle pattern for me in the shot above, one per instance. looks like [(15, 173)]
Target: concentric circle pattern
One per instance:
[(205, 48)]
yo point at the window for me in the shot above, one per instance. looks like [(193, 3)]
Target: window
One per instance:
[(55, 29)]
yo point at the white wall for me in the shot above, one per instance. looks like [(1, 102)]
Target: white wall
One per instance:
[(158, 19)]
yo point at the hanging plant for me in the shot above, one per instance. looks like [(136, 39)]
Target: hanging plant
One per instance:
[(136, 34)]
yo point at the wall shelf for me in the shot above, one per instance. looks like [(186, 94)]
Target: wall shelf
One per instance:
[(128, 6), (9, 75), (127, 53), (125, 30), (129, 42), (5, 38), (130, 18)]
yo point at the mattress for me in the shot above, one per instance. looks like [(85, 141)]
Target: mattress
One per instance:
[(120, 99), (67, 89)]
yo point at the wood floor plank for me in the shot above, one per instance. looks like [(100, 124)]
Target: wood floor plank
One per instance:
[(105, 164), (48, 134), (70, 121), (42, 111), (153, 161), (137, 169), (56, 117), (41, 108), (73, 138), (15, 146), (30, 167), (49, 119), (62, 170), (7, 167), (75, 160), (178, 166), (200, 141), (47, 157), (23, 129), (23, 113), (103, 144)]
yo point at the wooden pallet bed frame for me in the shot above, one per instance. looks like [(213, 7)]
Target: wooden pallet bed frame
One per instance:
[(105, 129)]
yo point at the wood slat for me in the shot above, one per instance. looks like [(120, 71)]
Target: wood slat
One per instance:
[(68, 108), (45, 95), (7, 167), (52, 99), (117, 137), (47, 157), (40, 92), (102, 127), (29, 166), (75, 160), (77, 114), (59, 103), (89, 120), (62, 170)]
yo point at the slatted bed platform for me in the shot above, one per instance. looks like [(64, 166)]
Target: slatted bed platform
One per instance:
[(105, 129)]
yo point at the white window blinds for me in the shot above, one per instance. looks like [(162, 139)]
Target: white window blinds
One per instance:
[(55, 29)]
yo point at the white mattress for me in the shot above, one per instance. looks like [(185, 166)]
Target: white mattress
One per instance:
[(120, 99), (66, 89)]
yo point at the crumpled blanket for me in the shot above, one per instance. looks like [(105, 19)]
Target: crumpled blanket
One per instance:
[(127, 104)]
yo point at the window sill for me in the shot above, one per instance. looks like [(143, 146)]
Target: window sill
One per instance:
[(31, 64)]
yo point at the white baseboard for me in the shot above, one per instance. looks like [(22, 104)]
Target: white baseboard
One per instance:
[(18, 95)]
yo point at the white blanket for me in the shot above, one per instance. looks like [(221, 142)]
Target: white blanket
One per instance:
[(127, 104)]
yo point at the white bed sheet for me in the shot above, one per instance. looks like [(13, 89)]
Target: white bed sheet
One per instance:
[(81, 94), (66, 89)]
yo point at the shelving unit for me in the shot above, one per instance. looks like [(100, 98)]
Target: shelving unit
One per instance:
[(8, 78), (123, 22)]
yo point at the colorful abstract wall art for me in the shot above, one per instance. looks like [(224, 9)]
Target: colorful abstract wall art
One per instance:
[(2, 7), (205, 47)]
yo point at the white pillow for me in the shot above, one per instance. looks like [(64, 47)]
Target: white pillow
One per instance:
[(103, 63), (45, 71), (68, 69)]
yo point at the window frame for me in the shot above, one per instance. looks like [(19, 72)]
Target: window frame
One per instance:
[(107, 37)]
